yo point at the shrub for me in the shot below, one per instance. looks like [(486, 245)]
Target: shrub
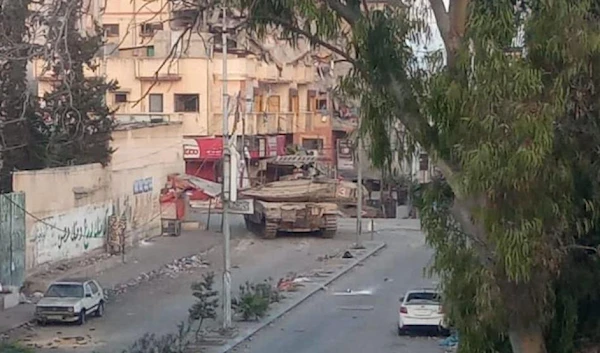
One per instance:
[(254, 300), (14, 348), (207, 304)]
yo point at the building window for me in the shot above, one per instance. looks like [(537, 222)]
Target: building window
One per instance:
[(322, 104), (120, 97), (218, 41), (423, 162), (258, 103), (150, 51), (149, 29), (111, 30), (311, 101), (187, 103), (312, 144), (156, 103)]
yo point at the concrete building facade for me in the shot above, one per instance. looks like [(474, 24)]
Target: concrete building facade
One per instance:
[(171, 79)]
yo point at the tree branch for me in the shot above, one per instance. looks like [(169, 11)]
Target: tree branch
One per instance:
[(441, 18), (458, 12), (312, 38), (345, 11), (461, 211), (593, 249)]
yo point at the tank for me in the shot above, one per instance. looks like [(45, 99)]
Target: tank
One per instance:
[(303, 205)]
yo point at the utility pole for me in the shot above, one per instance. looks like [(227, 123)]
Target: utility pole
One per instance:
[(226, 186), (359, 190)]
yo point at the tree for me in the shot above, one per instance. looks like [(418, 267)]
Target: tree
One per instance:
[(77, 123), (506, 213), (17, 104), (207, 301)]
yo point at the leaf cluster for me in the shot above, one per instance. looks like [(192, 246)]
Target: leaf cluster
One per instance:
[(254, 299)]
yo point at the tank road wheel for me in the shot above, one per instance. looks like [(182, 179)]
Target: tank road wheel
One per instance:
[(330, 226), (269, 230)]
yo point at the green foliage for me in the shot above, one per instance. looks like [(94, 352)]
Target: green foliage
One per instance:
[(169, 343), (17, 103), (77, 123), (254, 299), (14, 348), (207, 301), (511, 135)]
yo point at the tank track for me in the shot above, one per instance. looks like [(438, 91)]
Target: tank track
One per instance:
[(330, 226), (270, 230)]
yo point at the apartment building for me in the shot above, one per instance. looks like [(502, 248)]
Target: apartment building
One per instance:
[(170, 97)]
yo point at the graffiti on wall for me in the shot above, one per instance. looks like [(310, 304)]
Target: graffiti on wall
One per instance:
[(141, 186), (71, 234)]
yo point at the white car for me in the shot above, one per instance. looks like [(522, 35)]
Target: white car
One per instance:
[(421, 308), (70, 300)]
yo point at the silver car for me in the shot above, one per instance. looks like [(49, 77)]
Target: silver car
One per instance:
[(70, 300)]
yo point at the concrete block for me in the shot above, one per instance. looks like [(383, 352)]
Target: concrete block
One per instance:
[(10, 300)]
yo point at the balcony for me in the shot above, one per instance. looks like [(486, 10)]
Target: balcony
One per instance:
[(258, 124), (125, 120), (149, 69)]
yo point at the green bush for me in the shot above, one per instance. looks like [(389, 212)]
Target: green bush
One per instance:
[(206, 304), (14, 348), (254, 300)]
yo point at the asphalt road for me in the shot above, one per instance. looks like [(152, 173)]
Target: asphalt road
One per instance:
[(158, 306), (330, 323)]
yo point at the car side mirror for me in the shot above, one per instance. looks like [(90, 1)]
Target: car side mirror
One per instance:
[(401, 299), (88, 295)]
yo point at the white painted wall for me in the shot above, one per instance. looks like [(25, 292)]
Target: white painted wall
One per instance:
[(71, 234)]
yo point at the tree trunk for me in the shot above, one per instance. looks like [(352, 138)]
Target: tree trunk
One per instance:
[(526, 339)]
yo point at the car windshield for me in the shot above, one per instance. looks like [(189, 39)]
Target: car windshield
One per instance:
[(64, 291), (423, 297)]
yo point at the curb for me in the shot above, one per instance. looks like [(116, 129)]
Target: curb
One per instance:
[(32, 320), (240, 339), (15, 327)]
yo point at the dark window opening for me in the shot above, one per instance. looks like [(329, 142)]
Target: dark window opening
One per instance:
[(149, 29), (120, 97), (312, 144), (111, 30), (187, 103)]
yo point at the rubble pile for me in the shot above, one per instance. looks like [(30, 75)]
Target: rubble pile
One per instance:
[(171, 270)]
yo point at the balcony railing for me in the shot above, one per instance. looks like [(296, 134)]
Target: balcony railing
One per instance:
[(123, 119), (146, 70), (259, 124)]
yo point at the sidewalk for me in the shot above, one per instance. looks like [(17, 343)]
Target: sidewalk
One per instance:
[(110, 272)]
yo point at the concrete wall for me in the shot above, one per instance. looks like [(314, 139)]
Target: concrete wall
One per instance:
[(138, 147), (68, 208)]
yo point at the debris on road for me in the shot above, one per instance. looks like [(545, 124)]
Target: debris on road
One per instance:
[(59, 342), (450, 342), (347, 255), (291, 283), (172, 270)]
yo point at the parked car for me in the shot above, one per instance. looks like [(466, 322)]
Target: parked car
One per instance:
[(71, 300), (421, 308)]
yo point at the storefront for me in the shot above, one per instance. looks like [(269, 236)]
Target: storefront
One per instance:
[(203, 155)]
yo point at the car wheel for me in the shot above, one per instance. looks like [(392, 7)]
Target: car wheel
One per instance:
[(81, 319), (401, 331), (41, 322), (100, 310)]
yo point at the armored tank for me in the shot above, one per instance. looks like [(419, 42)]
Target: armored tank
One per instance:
[(302, 205)]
